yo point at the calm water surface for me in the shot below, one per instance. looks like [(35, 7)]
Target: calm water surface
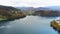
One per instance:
[(28, 25)]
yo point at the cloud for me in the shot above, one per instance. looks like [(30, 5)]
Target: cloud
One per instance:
[(28, 3)]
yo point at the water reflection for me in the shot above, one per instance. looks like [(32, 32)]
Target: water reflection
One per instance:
[(6, 22), (3, 26), (49, 17)]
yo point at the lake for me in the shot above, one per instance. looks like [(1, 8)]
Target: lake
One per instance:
[(28, 25)]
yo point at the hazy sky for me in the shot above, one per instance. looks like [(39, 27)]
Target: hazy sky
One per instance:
[(29, 3)]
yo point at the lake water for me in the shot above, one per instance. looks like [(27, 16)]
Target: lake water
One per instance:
[(28, 25)]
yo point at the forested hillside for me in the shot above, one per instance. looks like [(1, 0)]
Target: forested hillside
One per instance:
[(8, 12)]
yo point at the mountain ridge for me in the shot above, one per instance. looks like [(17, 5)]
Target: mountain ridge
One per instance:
[(40, 8)]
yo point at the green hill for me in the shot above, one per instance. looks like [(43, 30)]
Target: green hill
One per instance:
[(8, 12)]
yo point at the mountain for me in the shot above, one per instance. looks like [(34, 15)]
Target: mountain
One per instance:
[(42, 8), (49, 8), (26, 8), (54, 7)]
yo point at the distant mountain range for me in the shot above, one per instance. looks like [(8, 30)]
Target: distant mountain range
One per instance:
[(54, 7), (26, 8), (40, 8)]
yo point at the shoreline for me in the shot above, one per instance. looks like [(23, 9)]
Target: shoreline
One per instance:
[(11, 19)]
